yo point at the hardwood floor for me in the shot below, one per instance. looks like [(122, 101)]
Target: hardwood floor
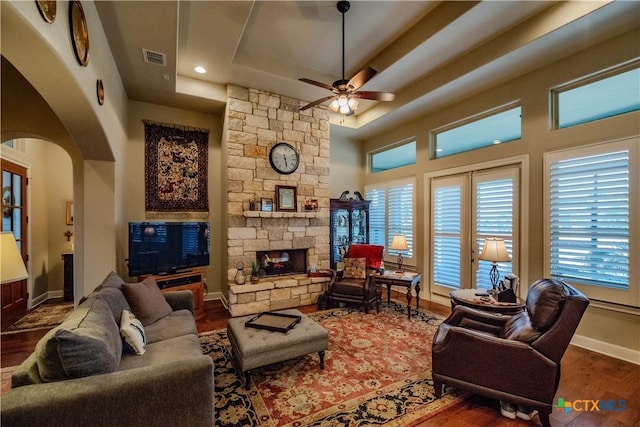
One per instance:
[(586, 376)]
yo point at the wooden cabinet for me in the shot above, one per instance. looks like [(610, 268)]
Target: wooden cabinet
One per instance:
[(188, 281), (349, 223), (67, 266)]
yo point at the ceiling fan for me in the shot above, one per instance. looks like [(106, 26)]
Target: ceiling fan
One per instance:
[(345, 92)]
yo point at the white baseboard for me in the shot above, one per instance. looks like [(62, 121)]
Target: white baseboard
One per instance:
[(46, 296), (217, 295), (612, 350)]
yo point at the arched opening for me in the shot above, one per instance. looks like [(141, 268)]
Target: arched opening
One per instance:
[(47, 181)]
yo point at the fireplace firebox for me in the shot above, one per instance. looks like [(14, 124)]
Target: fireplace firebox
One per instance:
[(282, 262)]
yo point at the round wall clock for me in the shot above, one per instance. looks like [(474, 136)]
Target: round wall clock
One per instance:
[(47, 9), (284, 158), (100, 91), (79, 32)]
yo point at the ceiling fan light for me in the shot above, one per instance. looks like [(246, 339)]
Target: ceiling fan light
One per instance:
[(342, 100), (344, 109), (334, 106), (353, 103)]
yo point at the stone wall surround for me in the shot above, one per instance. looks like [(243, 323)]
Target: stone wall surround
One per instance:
[(255, 121)]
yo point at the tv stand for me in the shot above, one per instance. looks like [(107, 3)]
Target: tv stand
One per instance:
[(191, 280)]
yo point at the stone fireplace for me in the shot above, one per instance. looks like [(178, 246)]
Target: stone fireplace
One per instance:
[(254, 122)]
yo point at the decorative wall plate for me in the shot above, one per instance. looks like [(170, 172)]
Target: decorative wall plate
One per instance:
[(100, 91), (79, 32), (47, 9)]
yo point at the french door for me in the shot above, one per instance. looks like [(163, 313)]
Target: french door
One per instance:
[(466, 209), (14, 296)]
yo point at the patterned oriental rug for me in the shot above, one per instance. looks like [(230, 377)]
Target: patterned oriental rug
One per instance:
[(377, 372), (43, 316)]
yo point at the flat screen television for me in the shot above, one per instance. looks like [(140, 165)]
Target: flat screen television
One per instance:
[(167, 247)]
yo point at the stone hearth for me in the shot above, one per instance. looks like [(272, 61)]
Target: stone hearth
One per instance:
[(275, 294)]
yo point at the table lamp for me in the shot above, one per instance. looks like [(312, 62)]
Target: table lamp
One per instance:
[(399, 243), (12, 268), (495, 251)]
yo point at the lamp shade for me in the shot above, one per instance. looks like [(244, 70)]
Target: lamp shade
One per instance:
[(12, 267), (399, 243), (494, 250)]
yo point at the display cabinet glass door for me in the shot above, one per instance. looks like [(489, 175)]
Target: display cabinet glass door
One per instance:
[(340, 235), (358, 226), (349, 224)]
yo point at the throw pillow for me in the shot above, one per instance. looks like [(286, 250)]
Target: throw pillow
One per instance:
[(147, 301), (354, 268), (133, 338)]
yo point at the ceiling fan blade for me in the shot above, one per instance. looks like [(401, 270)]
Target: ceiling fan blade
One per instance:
[(315, 83), (317, 102), (376, 96), (361, 78)]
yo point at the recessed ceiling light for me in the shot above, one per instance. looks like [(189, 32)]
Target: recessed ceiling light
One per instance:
[(200, 70)]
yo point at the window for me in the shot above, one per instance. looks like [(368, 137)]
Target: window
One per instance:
[(492, 128), (591, 221), (466, 209), (395, 157), (390, 213), (596, 98)]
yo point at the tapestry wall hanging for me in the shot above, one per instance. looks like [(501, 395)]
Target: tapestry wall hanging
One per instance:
[(176, 166)]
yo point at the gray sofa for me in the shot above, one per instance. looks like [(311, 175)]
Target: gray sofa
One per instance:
[(81, 375)]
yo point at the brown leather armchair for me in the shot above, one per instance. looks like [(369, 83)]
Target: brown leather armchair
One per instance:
[(354, 288), (511, 358)]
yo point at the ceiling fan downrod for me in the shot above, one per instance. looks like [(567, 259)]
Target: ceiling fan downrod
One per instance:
[(343, 7)]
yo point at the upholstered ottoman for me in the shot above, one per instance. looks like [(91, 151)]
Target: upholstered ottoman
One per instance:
[(254, 348)]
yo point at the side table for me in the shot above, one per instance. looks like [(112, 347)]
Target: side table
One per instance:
[(468, 297), (408, 280)]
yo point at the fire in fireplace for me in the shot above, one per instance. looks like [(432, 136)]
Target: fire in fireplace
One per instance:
[(281, 262)]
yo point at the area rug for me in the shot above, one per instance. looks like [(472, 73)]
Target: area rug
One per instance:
[(377, 372), (41, 317)]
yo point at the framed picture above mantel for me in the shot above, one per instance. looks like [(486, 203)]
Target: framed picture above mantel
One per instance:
[(286, 198)]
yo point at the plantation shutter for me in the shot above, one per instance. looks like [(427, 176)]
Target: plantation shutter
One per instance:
[(447, 233), (589, 219), (494, 201), (401, 216), (377, 214)]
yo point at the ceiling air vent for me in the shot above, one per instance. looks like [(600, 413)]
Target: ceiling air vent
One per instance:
[(152, 57)]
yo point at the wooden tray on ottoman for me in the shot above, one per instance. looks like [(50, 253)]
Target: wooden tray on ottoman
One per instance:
[(278, 322)]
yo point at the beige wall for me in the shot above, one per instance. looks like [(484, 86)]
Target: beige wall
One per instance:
[(346, 165), (605, 330), (49, 171), (131, 187), (61, 107)]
